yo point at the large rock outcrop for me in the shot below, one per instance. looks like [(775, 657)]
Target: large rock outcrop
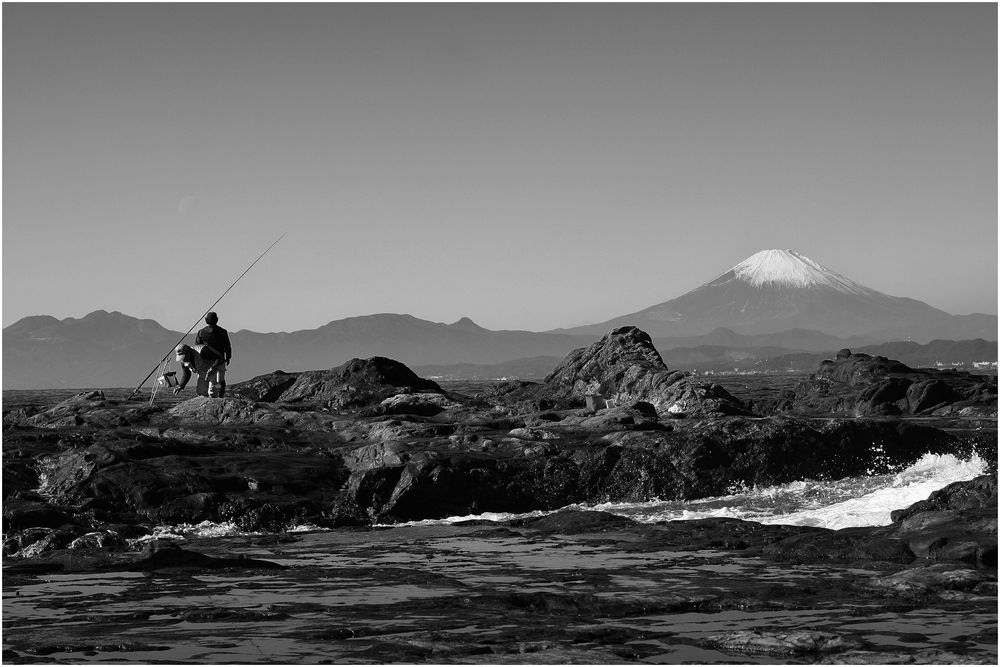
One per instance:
[(862, 385), (623, 368), (357, 384)]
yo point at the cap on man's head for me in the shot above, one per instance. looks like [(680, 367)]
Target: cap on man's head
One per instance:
[(211, 318), (181, 350)]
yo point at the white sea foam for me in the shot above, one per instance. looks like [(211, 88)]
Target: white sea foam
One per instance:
[(185, 530), (850, 502), (209, 529)]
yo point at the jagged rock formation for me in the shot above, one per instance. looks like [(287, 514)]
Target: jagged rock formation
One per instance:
[(178, 465), (624, 367), (862, 385), (268, 388)]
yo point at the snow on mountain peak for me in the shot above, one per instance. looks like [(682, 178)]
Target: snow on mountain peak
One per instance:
[(786, 268)]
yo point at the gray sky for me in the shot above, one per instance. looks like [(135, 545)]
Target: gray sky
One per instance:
[(529, 166)]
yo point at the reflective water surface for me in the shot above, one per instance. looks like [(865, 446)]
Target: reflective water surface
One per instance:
[(451, 594)]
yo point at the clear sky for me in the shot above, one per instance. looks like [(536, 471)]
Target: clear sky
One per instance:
[(529, 166)]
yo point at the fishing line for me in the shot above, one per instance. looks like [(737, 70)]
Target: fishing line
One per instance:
[(198, 321), (156, 386)]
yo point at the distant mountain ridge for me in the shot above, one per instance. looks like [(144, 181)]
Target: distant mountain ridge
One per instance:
[(722, 359), (778, 290), (774, 303), (792, 339), (106, 349)]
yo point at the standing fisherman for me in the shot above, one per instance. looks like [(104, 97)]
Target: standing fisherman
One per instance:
[(218, 339)]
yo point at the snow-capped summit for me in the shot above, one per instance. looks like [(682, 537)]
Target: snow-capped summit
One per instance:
[(787, 268), (783, 267), (778, 290)]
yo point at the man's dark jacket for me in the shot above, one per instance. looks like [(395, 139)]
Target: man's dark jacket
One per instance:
[(217, 337)]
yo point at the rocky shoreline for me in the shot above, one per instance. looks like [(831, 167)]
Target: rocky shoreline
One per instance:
[(371, 443)]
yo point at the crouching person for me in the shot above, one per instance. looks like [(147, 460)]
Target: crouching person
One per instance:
[(205, 362)]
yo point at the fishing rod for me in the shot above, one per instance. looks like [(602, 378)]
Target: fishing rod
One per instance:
[(198, 321)]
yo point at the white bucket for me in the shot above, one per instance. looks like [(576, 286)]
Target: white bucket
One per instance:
[(168, 380)]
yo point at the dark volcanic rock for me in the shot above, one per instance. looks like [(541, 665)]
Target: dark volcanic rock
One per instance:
[(86, 409), (358, 383), (598, 606), (569, 522), (965, 535), (175, 558), (218, 411), (511, 392), (404, 481), (624, 368), (408, 451), (980, 492), (402, 470), (423, 403), (850, 544), (933, 578), (862, 385), (638, 416), (266, 388), (19, 513), (863, 369), (119, 481), (928, 394), (958, 522), (782, 643)]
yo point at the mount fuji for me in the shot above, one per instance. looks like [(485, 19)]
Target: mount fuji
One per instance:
[(777, 290)]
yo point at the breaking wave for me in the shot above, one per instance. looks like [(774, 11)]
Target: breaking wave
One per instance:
[(844, 503), (208, 529)]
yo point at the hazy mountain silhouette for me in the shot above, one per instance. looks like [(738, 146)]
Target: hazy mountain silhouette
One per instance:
[(774, 303), (101, 349), (792, 339), (718, 358), (778, 290), (114, 350)]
